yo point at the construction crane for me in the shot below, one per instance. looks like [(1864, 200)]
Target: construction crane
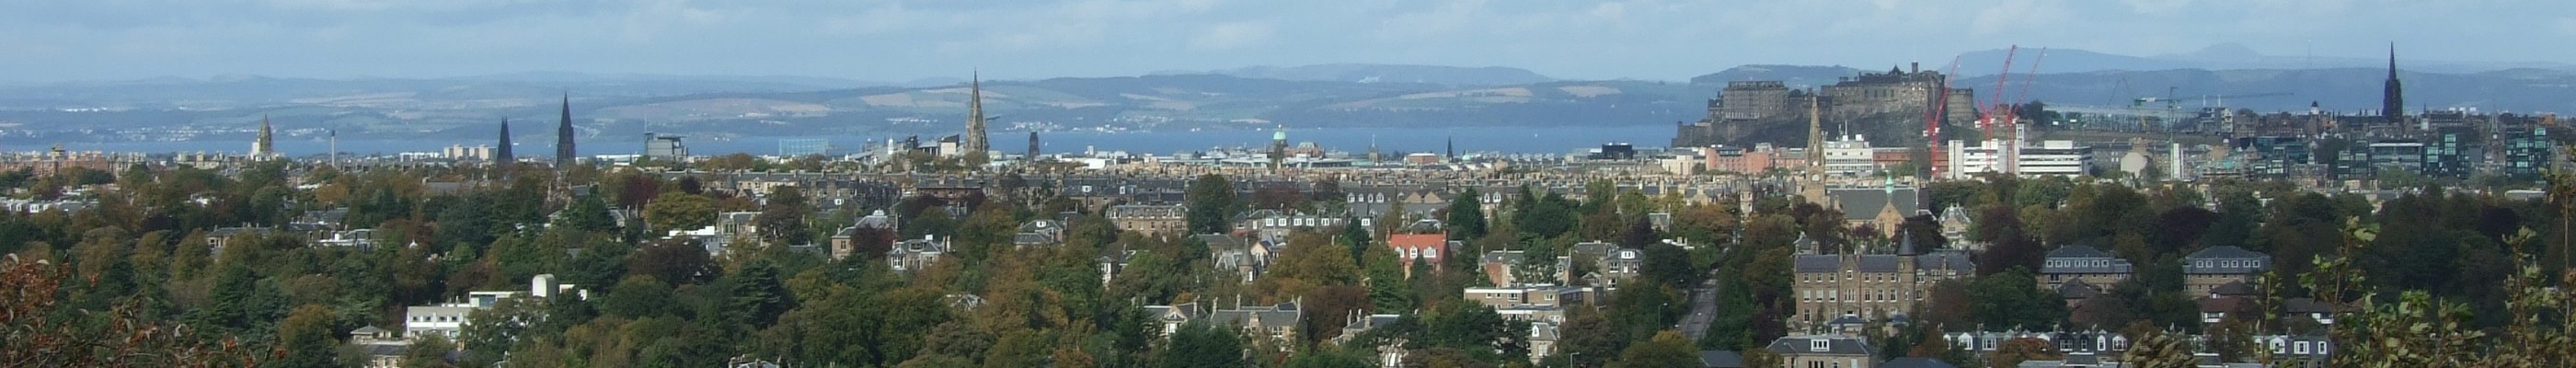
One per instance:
[(1932, 121), (1996, 113)]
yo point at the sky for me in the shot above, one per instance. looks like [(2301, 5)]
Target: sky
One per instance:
[(896, 40)]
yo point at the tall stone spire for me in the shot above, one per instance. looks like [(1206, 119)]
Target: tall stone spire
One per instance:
[(267, 144), (501, 155), (975, 141), (1033, 148), (2393, 104), (564, 152)]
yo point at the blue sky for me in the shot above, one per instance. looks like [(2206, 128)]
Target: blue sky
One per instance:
[(48, 40)]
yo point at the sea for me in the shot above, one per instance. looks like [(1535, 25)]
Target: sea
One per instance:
[(1509, 140)]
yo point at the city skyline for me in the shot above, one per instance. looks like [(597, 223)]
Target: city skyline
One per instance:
[(900, 41)]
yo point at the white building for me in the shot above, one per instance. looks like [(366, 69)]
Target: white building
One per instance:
[(1850, 156), (450, 318), (2059, 158)]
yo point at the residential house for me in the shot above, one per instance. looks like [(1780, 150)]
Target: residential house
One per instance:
[(2077, 262), (1427, 248), (1039, 233), (1237, 256), (1278, 322), (2208, 268), (1150, 219), (383, 349), (1816, 351), (1612, 264), (913, 255), (1500, 268), (875, 228)]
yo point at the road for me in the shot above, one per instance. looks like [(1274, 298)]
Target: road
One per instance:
[(1703, 310)]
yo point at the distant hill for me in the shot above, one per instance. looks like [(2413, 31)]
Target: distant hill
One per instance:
[(2342, 89), (1385, 73), (1796, 76), (2224, 56), (724, 107)]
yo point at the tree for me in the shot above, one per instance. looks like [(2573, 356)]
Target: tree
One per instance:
[(1466, 216), (782, 220), (1537, 266), (680, 211), (1211, 205), (309, 338), (1666, 349), (587, 213), (2013, 300), (1198, 344)]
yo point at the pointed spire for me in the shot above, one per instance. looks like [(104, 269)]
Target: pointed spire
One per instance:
[(565, 152), (1905, 243), (267, 143), (2393, 104), (501, 155), (975, 124)]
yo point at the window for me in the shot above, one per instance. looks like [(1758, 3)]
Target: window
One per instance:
[(1820, 345)]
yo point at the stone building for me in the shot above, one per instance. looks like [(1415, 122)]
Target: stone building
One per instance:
[(1150, 219), (1872, 285), (1889, 106), (2077, 262), (1824, 352), (2207, 269)]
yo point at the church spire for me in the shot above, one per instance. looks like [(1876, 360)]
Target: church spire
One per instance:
[(975, 140), (2393, 105), (501, 155), (564, 152), (267, 144)]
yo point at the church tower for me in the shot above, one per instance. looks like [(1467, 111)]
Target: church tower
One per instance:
[(1033, 148), (975, 142), (1279, 149), (2392, 106), (266, 146), (1814, 188), (501, 154), (564, 153)]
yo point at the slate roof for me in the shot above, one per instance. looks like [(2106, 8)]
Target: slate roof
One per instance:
[(1284, 315), (1884, 263), (1915, 362), (2225, 259), (1835, 346), (1721, 359), (2077, 289), (1863, 204), (1945, 260), (2082, 259), (877, 219)]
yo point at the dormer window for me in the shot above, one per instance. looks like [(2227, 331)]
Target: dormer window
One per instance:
[(1820, 345)]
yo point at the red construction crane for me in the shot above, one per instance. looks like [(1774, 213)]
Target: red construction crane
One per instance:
[(1932, 118), (1999, 109)]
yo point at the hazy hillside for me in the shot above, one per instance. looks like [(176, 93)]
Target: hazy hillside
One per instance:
[(1383, 73), (2348, 89), (723, 107)]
